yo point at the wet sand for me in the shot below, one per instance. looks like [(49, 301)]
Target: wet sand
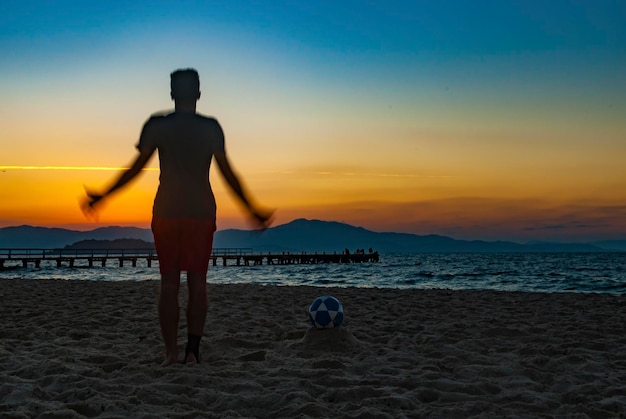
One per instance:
[(92, 349)]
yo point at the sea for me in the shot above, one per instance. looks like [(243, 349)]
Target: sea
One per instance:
[(530, 272)]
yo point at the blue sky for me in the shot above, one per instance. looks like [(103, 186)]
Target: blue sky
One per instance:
[(397, 31)]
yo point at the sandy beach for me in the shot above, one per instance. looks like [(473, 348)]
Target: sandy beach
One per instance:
[(72, 349)]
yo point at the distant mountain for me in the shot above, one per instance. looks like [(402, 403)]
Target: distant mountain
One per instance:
[(318, 236), (52, 238), (298, 236), (93, 244)]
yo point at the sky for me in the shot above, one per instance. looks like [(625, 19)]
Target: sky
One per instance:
[(489, 120)]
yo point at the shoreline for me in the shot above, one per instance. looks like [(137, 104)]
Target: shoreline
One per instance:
[(92, 348), (554, 273)]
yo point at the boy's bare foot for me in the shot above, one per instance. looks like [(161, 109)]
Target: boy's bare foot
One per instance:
[(169, 360), (191, 359)]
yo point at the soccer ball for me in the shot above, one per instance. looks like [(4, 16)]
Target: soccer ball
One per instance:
[(326, 312)]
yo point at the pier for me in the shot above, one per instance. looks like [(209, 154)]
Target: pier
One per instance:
[(10, 258)]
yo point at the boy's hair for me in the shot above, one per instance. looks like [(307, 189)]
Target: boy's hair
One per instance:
[(185, 84)]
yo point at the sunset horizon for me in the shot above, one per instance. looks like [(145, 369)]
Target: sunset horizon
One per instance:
[(501, 122)]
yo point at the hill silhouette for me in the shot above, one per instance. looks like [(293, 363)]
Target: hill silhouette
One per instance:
[(51, 238), (93, 244), (318, 236), (298, 236)]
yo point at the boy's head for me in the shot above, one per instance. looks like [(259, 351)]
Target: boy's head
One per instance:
[(185, 84)]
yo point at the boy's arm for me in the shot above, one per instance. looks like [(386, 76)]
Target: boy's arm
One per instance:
[(261, 217), (126, 176)]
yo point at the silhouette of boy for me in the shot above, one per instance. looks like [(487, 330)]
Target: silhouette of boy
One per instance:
[(183, 216)]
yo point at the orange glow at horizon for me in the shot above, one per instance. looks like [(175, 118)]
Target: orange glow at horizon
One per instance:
[(87, 168), (455, 205)]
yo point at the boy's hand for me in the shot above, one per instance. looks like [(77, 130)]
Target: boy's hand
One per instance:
[(94, 199), (263, 218), (88, 206)]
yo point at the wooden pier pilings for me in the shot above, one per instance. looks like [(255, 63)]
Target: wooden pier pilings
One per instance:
[(296, 259), (72, 258), (227, 257)]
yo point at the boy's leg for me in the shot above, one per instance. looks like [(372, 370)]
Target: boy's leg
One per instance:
[(197, 308), (196, 314), (197, 239), (168, 315)]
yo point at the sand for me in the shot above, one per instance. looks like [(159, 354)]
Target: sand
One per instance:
[(72, 349)]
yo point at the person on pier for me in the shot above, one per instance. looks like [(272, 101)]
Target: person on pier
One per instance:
[(184, 211)]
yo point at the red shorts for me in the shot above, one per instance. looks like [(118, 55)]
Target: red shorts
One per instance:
[(183, 244)]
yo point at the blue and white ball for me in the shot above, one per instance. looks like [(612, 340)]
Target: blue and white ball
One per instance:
[(326, 312)]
